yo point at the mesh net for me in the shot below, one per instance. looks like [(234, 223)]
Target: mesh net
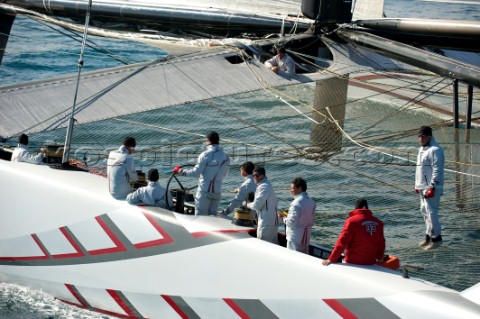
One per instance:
[(374, 158)]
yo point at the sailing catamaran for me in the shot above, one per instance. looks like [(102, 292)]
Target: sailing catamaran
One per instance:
[(62, 232)]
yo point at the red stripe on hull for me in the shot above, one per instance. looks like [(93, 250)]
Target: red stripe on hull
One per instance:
[(211, 232), (236, 308), (118, 244), (175, 307), (121, 303), (74, 245), (77, 296), (340, 309), (37, 241), (166, 237)]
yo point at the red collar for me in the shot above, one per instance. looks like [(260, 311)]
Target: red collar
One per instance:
[(360, 211)]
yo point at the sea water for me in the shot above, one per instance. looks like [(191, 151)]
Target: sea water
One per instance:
[(32, 55)]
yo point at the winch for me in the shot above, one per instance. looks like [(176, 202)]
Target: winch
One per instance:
[(140, 182), (243, 217), (53, 152)]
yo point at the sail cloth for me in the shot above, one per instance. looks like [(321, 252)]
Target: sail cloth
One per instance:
[(44, 105), (367, 9)]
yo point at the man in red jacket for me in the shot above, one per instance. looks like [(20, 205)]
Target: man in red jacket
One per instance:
[(361, 238)]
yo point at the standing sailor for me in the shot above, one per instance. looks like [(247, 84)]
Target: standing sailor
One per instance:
[(300, 218), (429, 184), (121, 169), (21, 153), (211, 169), (265, 204)]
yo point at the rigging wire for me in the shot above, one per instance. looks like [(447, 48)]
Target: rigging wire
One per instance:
[(68, 135), (382, 149), (88, 101), (277, 93), (187, 132), (75, 36), (263, 82), (400, 109), (90, 43)]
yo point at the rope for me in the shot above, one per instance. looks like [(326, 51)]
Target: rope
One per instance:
[(382, 149), (186, 132), (75, 36), (277, 93), (397, 110), (271, 90)]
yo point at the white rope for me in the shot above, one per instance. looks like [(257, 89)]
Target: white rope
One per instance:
[(380, 150)]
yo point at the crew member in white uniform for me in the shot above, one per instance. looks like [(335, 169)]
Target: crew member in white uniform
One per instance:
[(121, 169), (211, 169), (265, 204), (21, 153), (281, 63), (151, 195), (429, 185), (247, 187), (300, 218)]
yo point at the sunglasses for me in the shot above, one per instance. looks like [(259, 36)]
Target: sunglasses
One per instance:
[(421, 135), (256, 175)]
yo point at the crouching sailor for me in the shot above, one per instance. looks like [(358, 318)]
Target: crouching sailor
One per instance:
[(151, 195), (211, 168), (21, 153), (361, 238), (121, 169)]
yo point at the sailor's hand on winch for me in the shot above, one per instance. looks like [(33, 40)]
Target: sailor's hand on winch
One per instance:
[(282, 215), (225, 211)]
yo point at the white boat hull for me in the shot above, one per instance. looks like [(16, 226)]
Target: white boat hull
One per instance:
[(71, 239)]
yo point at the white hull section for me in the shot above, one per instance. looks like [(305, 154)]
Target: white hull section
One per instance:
[(71, 239)]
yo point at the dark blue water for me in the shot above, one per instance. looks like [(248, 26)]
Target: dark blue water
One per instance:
[(35, 52)]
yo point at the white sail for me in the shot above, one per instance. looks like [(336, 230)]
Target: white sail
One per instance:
[(367, 9)]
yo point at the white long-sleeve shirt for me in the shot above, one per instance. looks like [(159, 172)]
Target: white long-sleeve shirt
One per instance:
[(265, 204), (247, 186), (151, 195), (301, 216), (21, 154), (286, 64), (120, 171), (430, 167)]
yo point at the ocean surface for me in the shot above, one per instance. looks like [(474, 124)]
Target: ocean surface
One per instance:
[(35, 52)]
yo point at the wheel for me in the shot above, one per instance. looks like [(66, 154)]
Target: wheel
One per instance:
[(183, 199)]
